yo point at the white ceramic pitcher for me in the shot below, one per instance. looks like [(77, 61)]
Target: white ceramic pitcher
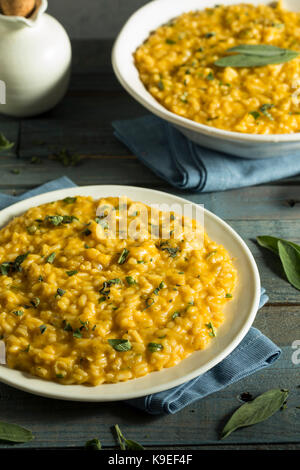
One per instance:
[(35, 62)]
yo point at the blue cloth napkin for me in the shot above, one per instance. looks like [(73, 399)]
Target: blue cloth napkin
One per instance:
[(255, 352), (188, 166)]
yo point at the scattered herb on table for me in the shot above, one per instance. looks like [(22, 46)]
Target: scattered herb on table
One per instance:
[(127, 444), (93, 444), (120, 345), (67, 158), (256, 411), (289, 254), (14, 433), (5, 144), (256, 55)]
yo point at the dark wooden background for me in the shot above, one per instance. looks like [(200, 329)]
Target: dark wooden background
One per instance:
[(82, 124)]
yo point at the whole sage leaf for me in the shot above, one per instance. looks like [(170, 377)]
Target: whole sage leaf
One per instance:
[(14, 433), (264, 50), (271, 243), (93, 444), (256, 411), (290, 259), (245, 60)]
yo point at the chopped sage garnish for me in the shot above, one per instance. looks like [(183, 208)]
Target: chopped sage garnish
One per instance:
[(5, 144), (71, 273), (35, 302), (70, 200), (77, 333), (130, 281), (255, 411), (123, 256), (18, 313), (212, 329), (51, 258), (120, 345), (153, 347), (60, 292), (43, 328)]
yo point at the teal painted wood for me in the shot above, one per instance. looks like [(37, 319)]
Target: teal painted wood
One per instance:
[(82, 123)]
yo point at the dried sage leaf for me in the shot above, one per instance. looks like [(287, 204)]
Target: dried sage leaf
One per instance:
[(14, 433), (256, 411)]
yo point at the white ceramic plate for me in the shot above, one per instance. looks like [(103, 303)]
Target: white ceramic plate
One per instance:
[(240, 313), (148, 18)]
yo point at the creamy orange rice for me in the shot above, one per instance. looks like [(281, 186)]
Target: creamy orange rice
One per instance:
[(176, 64), (79, 307)]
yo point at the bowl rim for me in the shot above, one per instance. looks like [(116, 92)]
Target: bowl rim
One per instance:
[(149, 102), (34, 385)]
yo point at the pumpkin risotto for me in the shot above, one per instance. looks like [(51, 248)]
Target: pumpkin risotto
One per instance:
[(80, 307), (177, 66)]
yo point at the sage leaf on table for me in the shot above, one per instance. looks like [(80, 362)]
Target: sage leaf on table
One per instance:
[(271, 243), (5, 144), (14, 433), (127, 444), (256, 411), (256, 55), (290, 259), (289, 254)]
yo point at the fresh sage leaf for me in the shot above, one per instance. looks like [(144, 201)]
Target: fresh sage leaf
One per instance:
[(120, 345), (127, 444), (263, 50), (153, 347), (243, 60), (14, 433), (271, 243), (290, 259), (256, 411)]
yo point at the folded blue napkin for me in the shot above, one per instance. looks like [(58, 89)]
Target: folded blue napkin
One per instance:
[(255, 352), (186, 165)]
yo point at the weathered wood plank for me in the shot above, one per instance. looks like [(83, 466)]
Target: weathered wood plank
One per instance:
[(71, 424)]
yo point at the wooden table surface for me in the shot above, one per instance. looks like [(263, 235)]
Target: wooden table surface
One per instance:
[(82, 124)]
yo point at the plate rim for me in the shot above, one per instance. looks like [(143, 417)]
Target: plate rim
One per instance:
[(62, 392)]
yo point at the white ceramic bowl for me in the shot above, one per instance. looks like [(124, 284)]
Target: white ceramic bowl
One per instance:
[(240, 312), (137, 29)]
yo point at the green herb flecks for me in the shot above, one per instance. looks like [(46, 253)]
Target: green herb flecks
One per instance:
[(160, 287), (105, 290), (71, 273), (51, 258), (8, 268), (60, 292), (149, 301), (35, 302), (131, 281), (256, 55), (77, 333), (264, 109), (43, 328), (154, 347), (123, 256), (127, 444), (256, 411), (18, 313), (120, 345), (212, 329), (70, 200), (171, 250)]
